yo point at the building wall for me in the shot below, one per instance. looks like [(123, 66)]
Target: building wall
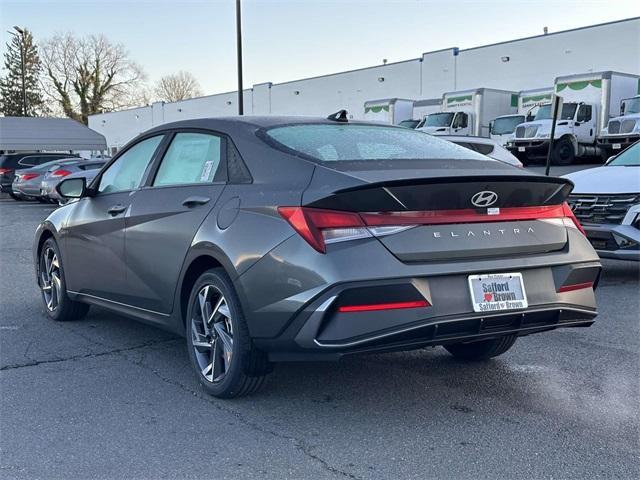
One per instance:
[(532, 63), (329, 93), (536, 62)]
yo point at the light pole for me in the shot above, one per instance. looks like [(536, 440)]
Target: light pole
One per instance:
[(239, 51), (22, 67)]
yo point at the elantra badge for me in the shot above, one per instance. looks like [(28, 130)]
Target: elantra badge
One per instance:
[(486, 198)]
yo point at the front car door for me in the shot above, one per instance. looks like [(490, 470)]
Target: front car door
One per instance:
[(461, 124), (165, 215), (585, 124), (93, 237)]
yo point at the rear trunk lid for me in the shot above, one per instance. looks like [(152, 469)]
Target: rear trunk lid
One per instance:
[(448, 210)]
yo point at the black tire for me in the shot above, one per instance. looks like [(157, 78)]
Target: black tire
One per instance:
[(481, 350), (57, 304), (563, 153), (15, 197), (247, 367)]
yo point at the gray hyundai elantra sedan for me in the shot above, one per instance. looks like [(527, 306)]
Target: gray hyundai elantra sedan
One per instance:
[(267, 239)]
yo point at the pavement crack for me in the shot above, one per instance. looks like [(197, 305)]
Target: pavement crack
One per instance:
[(300, 444), (84, 355)]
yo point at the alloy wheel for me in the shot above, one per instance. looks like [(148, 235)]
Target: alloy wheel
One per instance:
[(50, 281), (212, 333)]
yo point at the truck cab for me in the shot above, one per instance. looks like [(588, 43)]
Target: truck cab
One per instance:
[(503, 128), (575, 133), (448, 123), (623, 130)]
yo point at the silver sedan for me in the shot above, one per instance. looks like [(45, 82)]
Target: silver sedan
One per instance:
[(87, 168)]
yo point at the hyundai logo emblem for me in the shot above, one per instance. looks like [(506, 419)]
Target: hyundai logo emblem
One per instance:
[(486, 198)]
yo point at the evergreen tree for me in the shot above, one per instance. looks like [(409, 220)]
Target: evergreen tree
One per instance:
[(21, 49)]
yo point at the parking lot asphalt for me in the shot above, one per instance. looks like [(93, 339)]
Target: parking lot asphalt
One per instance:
[(106, 397)]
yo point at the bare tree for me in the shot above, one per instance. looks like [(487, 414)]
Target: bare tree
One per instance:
[(89, 75), (178, 86)]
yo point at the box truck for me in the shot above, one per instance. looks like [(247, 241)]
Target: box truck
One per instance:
[(503, 127), (469, 112), (589, 100), (622, 131), (388, 110)]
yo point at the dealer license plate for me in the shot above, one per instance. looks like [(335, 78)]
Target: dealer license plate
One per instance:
[(521, 149), (497, 291), (616, 146)]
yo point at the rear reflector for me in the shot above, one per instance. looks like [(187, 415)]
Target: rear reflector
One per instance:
[(383, 306), (28, 176), (576, 286), (319, 227)]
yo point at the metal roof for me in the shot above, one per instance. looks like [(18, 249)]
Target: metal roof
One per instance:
[(41, 133)]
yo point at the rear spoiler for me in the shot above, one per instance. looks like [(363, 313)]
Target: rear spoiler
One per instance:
[(446, 193)]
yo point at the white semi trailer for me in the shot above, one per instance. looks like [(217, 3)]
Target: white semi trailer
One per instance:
[(469, 112), (623, 130), (589, 100), (503, 127), (388, 110)]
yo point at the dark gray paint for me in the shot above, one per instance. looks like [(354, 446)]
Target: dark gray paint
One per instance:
[(280, 279)]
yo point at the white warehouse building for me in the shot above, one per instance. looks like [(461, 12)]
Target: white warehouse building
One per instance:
[(515, 65)]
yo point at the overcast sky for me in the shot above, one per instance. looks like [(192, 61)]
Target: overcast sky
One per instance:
[(287, 40)]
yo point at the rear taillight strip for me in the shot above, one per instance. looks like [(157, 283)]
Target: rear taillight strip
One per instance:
[(443, 217), (319, 226), (371, 307), (575, 286)]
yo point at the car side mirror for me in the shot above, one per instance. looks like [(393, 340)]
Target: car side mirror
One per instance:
[(72, 187)]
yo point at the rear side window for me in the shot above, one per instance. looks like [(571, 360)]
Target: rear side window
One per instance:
[(483, 148), (33, 160), (191, 158), (476, 147), (28, 161), (332, 143), (91, 166)]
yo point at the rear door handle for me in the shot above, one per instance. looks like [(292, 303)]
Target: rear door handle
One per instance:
[(195, 200), (116, 210)]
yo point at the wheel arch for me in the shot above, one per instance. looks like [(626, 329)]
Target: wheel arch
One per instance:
[(45, 235), (45, 232), (574, 141), (197, 262)]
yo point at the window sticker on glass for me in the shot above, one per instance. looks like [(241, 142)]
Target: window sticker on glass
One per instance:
[(206, 171)]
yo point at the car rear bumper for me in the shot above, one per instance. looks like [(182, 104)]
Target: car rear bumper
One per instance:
[(6, 187), (620, 242), (308, 324), (431, 332), (26, 190)]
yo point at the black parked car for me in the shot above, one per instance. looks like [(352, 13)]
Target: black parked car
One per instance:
[(265, 239), (10, 162)]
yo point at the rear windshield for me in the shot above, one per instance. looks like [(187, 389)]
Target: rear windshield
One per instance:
[(334, 143)]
